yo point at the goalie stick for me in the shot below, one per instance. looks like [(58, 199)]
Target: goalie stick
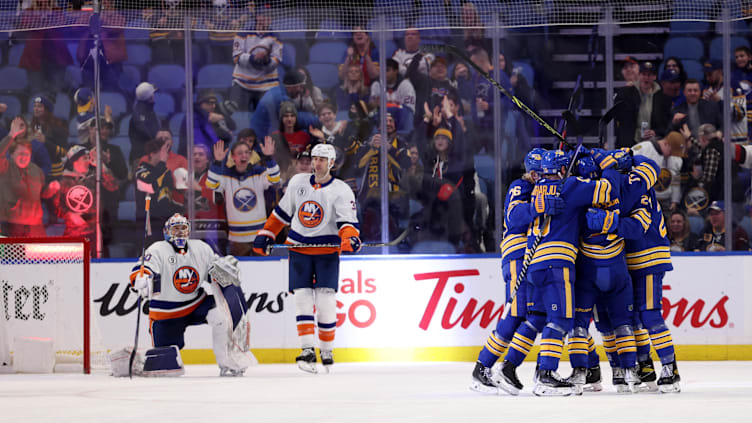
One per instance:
[(445, 48), (147, 232), (574, 127), (391, 243)]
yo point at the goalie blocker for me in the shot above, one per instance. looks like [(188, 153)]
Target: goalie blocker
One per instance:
[(187, 284)]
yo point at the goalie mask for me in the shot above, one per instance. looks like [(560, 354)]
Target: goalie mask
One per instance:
[(177, 229)]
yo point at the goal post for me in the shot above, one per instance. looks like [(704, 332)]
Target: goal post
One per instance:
[(45, 294)]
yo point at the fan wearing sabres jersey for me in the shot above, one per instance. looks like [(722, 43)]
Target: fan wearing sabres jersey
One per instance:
[(518, 214), (320, 209), (648, 259), (175, 276), (243, 188), (551, 271)]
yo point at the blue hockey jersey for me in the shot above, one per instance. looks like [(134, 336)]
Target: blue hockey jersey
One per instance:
[(517, 220)]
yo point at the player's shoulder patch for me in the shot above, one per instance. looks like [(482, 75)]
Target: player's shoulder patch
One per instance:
[(636, 147)]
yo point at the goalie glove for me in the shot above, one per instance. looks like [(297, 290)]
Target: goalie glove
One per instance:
[(141, 284), (603, 221), (224, 271)]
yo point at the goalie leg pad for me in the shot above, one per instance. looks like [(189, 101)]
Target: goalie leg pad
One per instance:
[(304, 317), (119, 362), (163, 361), (326, 313), (230, 330)]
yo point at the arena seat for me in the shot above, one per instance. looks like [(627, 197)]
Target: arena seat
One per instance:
[(324, 75), (716, 46), (138, 54), (13, 103), (125, 121), (168, 78), (164, 104), (13, 79), (214, 76), (684, 48), (116, 101), (694, 69), (327, 52)]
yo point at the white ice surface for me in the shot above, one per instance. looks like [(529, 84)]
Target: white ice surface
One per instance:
[(712, 392)]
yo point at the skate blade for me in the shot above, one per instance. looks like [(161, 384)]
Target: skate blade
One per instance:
[(327, 369), (578, 389), (307, 367), (483, 389), (509, 388), (593, 387), (648, 387), (549, 391), (623, 389), (673, 388)]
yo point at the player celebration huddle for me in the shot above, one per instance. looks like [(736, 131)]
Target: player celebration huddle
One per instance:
[(590, 246)]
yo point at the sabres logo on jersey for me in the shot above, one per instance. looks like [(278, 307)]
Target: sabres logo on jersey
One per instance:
[(244, 199), (664, 180), (79, 199), (185, 279), (310, 214)]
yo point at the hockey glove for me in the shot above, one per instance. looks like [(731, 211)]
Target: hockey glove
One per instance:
[(602, 158), (262, 244), (548, 204), (603, 221), (351, 244), (244, 58), (141, 284)]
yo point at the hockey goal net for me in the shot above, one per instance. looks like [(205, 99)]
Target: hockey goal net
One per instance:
[(45, 294)]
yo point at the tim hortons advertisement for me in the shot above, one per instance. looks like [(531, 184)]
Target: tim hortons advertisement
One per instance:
[(434, 302)]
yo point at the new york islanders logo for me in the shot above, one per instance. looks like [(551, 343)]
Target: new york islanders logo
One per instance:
[(185, 279), (244, 199), (310, 214)]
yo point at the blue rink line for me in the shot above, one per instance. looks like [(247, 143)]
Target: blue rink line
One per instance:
[(425, 257)]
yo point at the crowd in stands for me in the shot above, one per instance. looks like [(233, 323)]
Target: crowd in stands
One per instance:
[(254, 124)]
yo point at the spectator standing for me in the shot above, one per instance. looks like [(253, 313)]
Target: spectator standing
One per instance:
[(674, 63), (696, 110), (429, 90), (312, 96), (112, 38), (332, 131), (671, 86), (682, 239), (667, 153), (267, 116), (363, 53), (50, 130), (399, 90), (291, 139), (166, 39), (144, 122), (256, 56), (243, 188), (39, 154), (482, 108), (645, 113), (353, 89), (22, 186), (209, 123), (405, 56), (713, 237), (630, 71), (210, 223), (153, 177), (462, 81)]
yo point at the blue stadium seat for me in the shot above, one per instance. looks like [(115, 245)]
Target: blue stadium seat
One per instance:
[(694, 69), (124, 143), (215, 76), (127, 211), (125, 122), (73, 77), (485, 167), (433, 21), (130, 78), (135, 33), (138, 54), (716, 46), (14, 54), (324, 75), (327, 52), (167, 77), (164, 104), (13, 79), (175, 121), (289, 57), (289, 28), (433, 247), (684, 48), (391, 47), (688, 27), (13, 103), (333, 30), (116, 101)]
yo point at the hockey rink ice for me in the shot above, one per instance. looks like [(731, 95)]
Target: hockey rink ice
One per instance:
[(362, 392)]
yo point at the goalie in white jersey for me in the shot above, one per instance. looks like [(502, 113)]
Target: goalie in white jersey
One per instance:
[(320, 209), (187, 284)]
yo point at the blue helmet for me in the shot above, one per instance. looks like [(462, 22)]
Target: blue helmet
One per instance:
[(587, 168), (553, 160), (623, 159), (533, 160)]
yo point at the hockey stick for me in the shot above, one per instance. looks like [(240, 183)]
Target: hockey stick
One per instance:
[(147, 232), (445, 48), (605, 120), (572, 123), (576, 99), (391, 243)]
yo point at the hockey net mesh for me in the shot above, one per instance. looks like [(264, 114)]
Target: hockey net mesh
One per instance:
[(42, 296), (331, 15)]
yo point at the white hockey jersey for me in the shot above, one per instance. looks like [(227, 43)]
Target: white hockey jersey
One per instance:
[(244, 197), (668, 185), (403, 58), (254, 76), (316, 213), (176, 277), (403, 94)]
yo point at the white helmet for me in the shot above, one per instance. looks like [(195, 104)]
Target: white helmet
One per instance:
[(325, 150), (174, 233)]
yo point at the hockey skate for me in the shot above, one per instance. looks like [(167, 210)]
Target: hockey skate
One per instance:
[(228, 372), (507, 379), (307, 360), (619, 381), (669, 381), (327, 359), (647, 376), (550, 384), (481, 381), (578, 378), (632, 377), (593, 379)]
